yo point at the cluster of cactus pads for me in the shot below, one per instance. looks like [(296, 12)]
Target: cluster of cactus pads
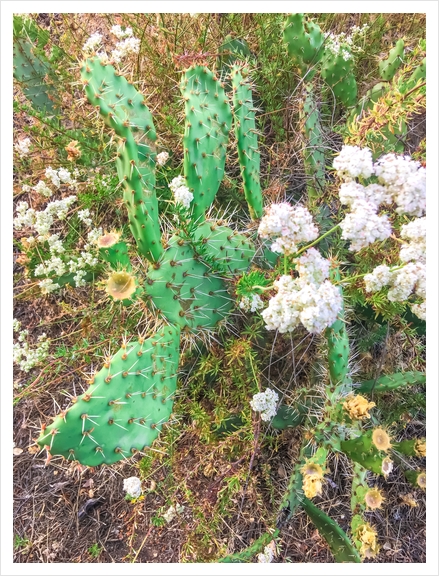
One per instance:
[(185, 286)]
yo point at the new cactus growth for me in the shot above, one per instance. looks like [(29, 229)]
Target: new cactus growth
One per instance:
[(247, 139), (391, 382)]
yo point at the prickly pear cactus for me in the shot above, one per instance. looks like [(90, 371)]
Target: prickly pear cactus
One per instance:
[(389, 66), (31, 67), (338, 74), (125, 406), (304, 41)]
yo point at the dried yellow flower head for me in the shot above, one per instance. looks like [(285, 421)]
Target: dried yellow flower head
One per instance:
[(73, 152), (358, 407), (421, 480), (386, 466), (368, 538), (108, 240), (381, 439), (312, 479), (421, 448), (373, 498), (121, 285), (409, 500)]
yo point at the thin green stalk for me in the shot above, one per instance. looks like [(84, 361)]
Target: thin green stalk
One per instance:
[(316, 241)]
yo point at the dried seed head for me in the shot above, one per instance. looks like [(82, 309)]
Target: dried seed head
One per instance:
[(381, 439), (312, 479)]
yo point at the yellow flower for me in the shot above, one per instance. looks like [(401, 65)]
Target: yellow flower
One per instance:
[(381, 439), (409, 500), (73, 152), (368, 538), (421, 480), (312, 479), (373, 498), (121, 285), (358, 407), (421, 448), (108, 240)]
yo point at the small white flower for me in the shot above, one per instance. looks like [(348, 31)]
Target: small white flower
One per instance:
[(47, 286), (265, 402), (23, 147), (130, 45), (92, 42), (379, 277), (43, 189), (251, 303), (266, 556), (353, 162), (121, 34), (183, 196), (162, 158), (132, 486)]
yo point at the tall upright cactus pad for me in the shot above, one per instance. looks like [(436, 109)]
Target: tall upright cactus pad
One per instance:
[(391, 382), (338, 345), (207, 126), (31, 67), (230, 51), (419, 73), (390, 65), (313, 154), (337, 539), (338, 74), (304, 40), (246, 136), (124, 408), (125, 111)]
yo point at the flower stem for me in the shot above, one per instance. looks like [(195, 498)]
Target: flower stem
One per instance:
[(316, 241)]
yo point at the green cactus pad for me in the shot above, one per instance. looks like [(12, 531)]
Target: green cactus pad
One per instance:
[(125, 111), (247, 139), (230, 51), (389, 66), (117, 256), (391, 382), (337, 73), (363, 451), (124, 409), (313, 151), (337, 539), (31, 67), (207, 126), (338, 345), (304, 41), (419, 73), (247, 554), (185, 290)]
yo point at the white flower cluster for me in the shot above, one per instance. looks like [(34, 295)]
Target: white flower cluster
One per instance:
[(92, 42), (405, 180), (84, 216), (404, 281), (162, 158), (345, 44), (312, 267), (132, 486), (251, 303), (303, 300), (23, 147), (266, 556), (401, 180), (289, 225), (416, 248), (181, 192), (41, 221), (22, 353), (130, 45), (265, 402), (363, 225), (43, 189), (354, 162), (121, 34), (60, 176)]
